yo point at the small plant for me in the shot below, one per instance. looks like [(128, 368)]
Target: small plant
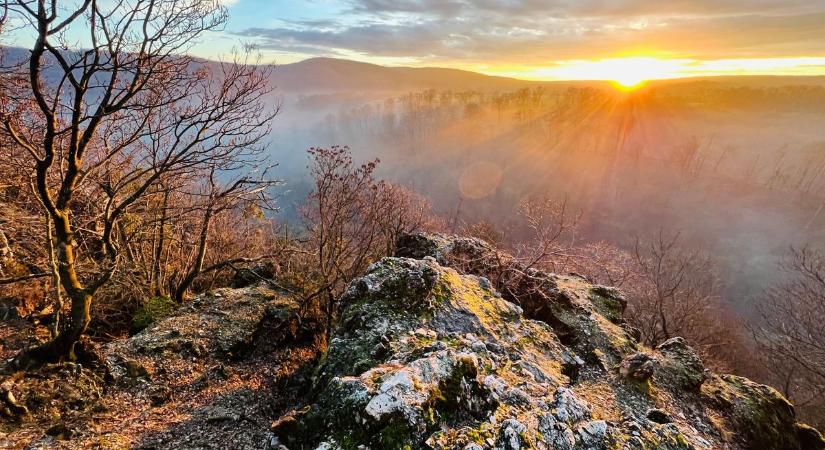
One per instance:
[(152, 310)]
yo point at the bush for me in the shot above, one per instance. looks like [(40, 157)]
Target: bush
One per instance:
[(152, 310)]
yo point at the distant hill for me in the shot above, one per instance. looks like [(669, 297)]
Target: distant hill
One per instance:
[(336, 75), (329, 74)]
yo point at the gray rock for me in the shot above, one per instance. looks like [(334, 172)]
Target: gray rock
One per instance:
[(471, 370), (638, 366)]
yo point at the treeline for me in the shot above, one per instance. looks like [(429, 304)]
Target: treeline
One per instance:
[(556, 119)]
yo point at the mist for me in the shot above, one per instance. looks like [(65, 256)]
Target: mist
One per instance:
[(733, 164)]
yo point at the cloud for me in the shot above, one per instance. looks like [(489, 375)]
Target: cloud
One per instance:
[(538, 32), (587, 8)]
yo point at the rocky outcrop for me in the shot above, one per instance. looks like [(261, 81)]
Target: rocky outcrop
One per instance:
[(193, 376), (223, 323), (428, 354)]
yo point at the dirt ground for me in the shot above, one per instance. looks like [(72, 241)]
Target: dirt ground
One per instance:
[(185, 400)]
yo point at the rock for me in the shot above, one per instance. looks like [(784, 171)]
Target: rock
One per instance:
[(135, 369), (461, 367), (159, 395), (592, 434), (638, 366), (220, 414), (809, 437), (760, 416), (680, 365), (152, 310), (247, 276), (10, 408), (585, 318), (568, 408), (658, 416), (224, 324), (511, 432), (273, 443), (610, 302), (60, 432)]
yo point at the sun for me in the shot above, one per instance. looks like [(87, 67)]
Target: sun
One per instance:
[(626, 73), (628, 82)]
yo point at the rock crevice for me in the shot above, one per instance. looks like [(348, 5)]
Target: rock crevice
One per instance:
[(429, 355)]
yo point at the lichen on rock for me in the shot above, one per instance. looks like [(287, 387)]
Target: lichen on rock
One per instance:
[(428, 354)]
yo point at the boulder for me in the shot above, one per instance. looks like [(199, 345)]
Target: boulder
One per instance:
[(638, 366), (150, 311), (431, 356), (247, 276), (222, 324)]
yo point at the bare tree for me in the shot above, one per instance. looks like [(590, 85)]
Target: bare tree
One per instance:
[(244, 193), (676, 293), (120, 116), (552, 233), (352, 220), (338, 218), (400, 210), (790, 332)]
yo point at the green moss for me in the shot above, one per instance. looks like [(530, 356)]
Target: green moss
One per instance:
[(608, 303), (395, 436), (764, 415), (441, 291), (152, 310), (643, 387), (480, 435)]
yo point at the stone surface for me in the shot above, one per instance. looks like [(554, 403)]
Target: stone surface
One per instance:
[(223, 323), (430, 356)]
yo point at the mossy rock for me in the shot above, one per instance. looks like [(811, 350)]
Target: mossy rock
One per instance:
[(428, 355), (152, 310), (763, 417), (609, 302)]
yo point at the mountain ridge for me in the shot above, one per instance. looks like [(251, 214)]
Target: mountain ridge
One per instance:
[(328, 75)]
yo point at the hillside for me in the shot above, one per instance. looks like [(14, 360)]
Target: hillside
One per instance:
[(329, 74), (426, 355)]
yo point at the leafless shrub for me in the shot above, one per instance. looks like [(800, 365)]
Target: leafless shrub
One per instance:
[(676, 292), (351, 220), (552, 233), (790, 333)]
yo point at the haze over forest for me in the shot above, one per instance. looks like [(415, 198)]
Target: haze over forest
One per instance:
[(735, 164), (412, 224)]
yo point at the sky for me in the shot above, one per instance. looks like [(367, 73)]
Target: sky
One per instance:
[(542, 39), (538, 39)]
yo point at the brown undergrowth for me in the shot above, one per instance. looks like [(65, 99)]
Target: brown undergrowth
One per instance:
[(164, 400)]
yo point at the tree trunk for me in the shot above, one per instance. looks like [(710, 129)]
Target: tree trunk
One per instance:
[(197, 267), (5, 252), (54, 267), (158, 255), (62, 347)]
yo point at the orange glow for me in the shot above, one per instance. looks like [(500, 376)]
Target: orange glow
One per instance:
[(630, 72), (628, 83)]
